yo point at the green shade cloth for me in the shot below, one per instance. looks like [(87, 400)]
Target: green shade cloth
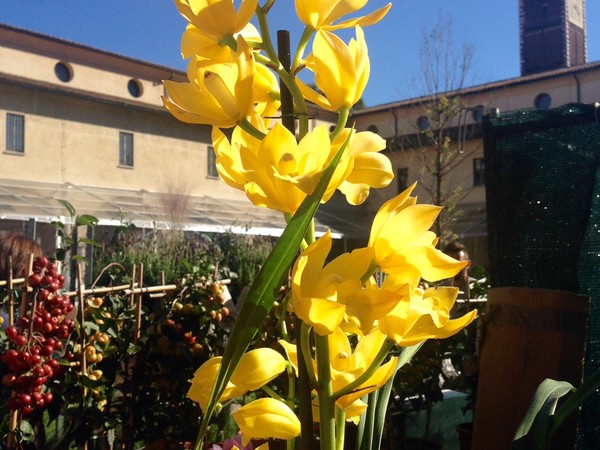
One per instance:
[(543, 202)]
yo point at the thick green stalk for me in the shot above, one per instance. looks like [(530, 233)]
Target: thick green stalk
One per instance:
[(325, 393)]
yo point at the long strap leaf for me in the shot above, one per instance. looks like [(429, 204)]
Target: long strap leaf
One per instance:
[(265, 288), (368, 439)]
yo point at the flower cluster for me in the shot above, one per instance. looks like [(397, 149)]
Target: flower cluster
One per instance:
[(350, 320)]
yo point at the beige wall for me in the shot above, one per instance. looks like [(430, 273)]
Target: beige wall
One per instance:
[(85, 78), (75, 140)]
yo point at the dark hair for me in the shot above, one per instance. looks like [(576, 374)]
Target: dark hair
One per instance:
[(20, 248), (454, 247)]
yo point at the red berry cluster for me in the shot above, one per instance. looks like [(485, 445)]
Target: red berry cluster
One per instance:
[(37, 339)]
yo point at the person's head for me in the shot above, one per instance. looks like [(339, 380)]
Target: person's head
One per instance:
[(459, 252), (19, 248)]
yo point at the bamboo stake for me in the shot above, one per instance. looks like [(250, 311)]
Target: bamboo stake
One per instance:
[(138, 305), (131, 296), (11, 306)]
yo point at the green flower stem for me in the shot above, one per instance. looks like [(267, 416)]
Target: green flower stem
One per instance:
[(340, 418), (306, 354), (325, 392), (265, 34), (305, 440), (251, 129), (271, 393), (370, 271), (379, 358), (343, 115), (267, 6), (229, 41), (301, 107), (285, 76), (304, 39), (310, 233)]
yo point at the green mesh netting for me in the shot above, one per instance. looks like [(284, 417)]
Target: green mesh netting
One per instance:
[(543, 202)]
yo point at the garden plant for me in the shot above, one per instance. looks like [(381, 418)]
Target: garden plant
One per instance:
[(346, 323)]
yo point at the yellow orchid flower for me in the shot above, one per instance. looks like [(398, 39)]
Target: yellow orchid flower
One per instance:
[(364, 307), (401, 241), (321, 14), (255, 369), (353, 412), (341, 71), (266, 418), (217, 18), (202, 383), (424, 315), (218, 94), (277, 172), (348, 365), (320, 292), (196, 43), (370, 169)]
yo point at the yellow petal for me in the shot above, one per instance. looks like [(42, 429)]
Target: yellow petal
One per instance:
[(266, 418), (228, 161), (258, 367), (291, 352), (364, 21), (203, 382), (387, 211)]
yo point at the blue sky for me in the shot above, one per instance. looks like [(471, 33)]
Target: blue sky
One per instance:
[(151, 29)]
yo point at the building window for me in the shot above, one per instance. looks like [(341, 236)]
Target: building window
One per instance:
[(125, 149), (478, 172), (373, 129), (63, 72), (15, 133), (135, 88), (423, 123), (477, 113), (211, 163), (402, 178), (543, 101)]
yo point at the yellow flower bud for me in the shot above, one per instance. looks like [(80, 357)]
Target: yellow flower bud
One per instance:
[(266, 418)]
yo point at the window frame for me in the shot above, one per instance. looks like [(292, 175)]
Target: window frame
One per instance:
[(478, 171), (126, 148), (15, 134)]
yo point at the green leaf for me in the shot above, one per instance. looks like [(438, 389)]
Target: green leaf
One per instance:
[(133, 349), (90, 242), (26, 431), (89, 383), (79, 258), (534, 432), (58, 225), (265, 288), (378, 405), (86, 219), (68, 207), (572, 404)]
